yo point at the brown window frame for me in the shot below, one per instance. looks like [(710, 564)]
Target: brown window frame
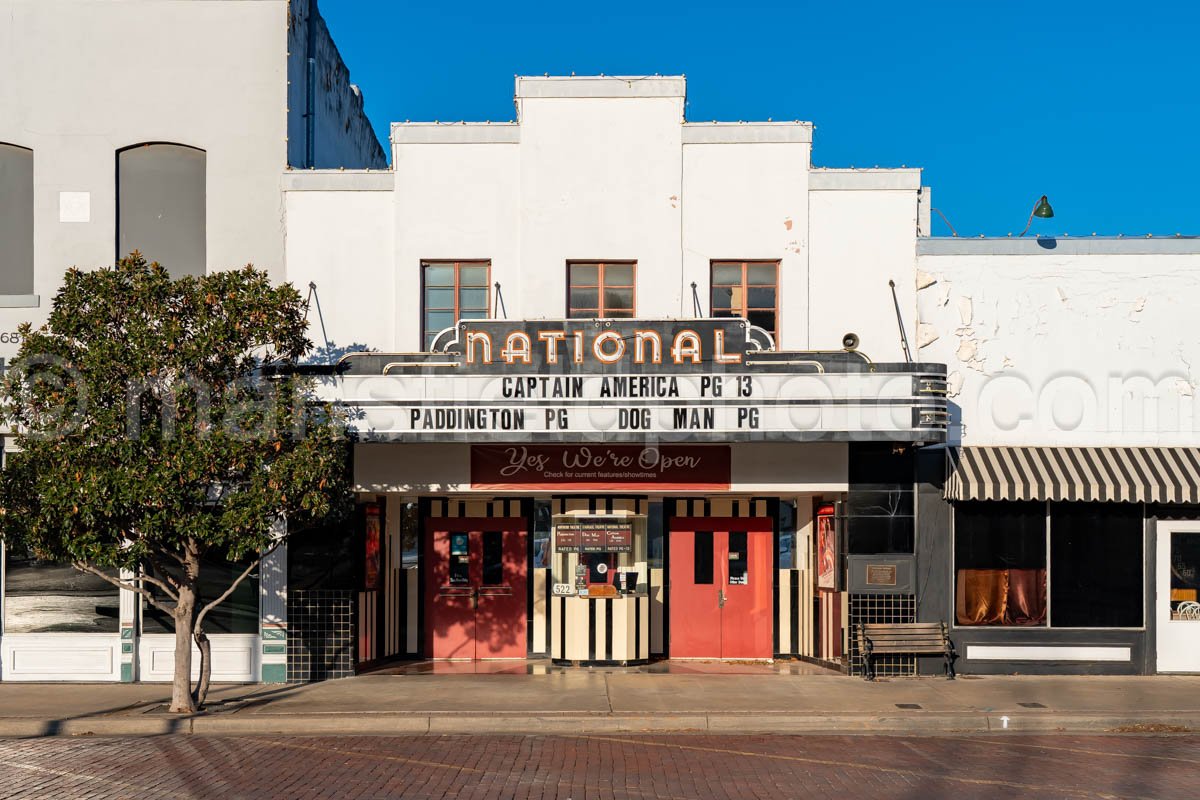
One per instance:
[(600, 287), (458, 264), (745, 309)]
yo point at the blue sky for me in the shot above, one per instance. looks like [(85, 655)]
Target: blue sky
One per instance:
[(1095, 104)]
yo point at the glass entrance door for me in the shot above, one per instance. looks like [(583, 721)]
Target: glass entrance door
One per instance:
[(477, 590), (1178, 597), (721, 588)]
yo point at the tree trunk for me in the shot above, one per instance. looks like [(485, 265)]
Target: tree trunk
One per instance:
[(205, 646), (185, 612)]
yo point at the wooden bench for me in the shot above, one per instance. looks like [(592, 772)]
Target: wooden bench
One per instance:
[(920, 638)]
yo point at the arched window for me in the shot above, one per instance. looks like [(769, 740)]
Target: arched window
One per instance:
[(160, 205), (16, 223)]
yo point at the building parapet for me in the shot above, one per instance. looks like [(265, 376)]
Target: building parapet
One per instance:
[(597, 86), (456, 133), (338, 181), (833, 180), (747, 132), (1060, 245)]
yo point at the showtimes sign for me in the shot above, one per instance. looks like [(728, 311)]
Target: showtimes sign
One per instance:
[(632, 380)]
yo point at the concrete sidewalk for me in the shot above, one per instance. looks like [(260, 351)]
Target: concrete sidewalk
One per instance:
[(610, 700)]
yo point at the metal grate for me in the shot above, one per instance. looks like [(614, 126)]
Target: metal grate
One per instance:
[(873, 609)]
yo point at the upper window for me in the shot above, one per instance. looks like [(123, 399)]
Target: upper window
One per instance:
[(16, 223), (747, 289), (453, 290), (597, 289), (161, 206)]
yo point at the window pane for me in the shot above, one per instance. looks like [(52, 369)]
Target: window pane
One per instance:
[(1095, 565), (322, 558), (1000, 563), (725, 312), (460, 558), (761, 274), (763, 319), (619, 313), (439, 275), (493, 558), (738, 564), (161, 206), (1185, 575), (722, 297), (727, 274), (761, 298), (618, 299), (584, 313), (618, 275), (45, 597), (787, 537), (476, 275), (16, 222), (585, 298), (585, 275), (473, 298), (436, 321), (702, 554), (541, 534), (472, 313), (237, 614), (439, 298)]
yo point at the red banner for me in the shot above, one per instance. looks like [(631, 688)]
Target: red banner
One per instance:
[(600, 467)]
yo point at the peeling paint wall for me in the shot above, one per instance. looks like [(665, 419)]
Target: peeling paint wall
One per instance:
[(1058, 349), (342, 134)]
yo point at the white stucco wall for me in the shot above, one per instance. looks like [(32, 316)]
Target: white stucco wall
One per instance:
[(746, 198), (1088, 342), (864, 233), (83, 79), (339, 236)]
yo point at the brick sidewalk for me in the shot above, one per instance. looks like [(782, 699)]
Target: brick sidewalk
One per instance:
[(602, 767)]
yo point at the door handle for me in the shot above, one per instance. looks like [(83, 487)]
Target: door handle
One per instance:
[(720, 598)]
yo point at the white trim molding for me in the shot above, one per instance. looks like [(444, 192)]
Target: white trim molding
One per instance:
[(992, 652)]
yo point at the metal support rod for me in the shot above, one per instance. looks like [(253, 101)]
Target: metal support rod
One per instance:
[(500, 301), (697, 309), (943, 216), (312, 295), (900, 323)]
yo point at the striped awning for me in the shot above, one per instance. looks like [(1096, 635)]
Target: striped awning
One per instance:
[(1112, 474)]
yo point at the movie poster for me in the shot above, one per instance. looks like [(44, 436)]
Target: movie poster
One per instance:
[(372, 533), (827, 549)]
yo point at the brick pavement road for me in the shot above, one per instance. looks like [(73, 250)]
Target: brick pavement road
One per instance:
[(617, 766)]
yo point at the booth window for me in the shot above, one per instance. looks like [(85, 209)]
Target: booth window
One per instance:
[(452, 291), (1000, 563), (1096, 565), (599, 290), (16, 223), (161, 206), (747, 289)]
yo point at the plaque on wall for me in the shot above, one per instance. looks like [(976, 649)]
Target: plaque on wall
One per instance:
[(881, 574)]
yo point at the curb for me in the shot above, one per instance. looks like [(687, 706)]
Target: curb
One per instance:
[(967, 722)]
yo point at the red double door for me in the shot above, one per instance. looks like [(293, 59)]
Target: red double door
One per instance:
[(476, 590), (721, 589)]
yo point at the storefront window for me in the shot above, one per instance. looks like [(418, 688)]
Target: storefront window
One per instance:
[(541, 534), (410, 541), (47, 597), (1000, 563), (788, 554), (237, 614), (322, 558), (1096, 567), (654, 530)]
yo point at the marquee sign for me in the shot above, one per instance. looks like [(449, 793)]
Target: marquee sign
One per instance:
[(624, 380), (617, 466)]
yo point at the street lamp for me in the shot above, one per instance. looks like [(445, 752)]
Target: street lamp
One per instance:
[(1041, 209)]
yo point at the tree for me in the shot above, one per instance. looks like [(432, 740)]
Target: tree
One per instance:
[(158, 423)]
